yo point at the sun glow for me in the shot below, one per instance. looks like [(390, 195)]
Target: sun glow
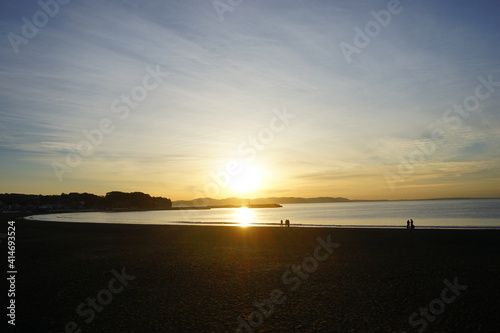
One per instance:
[(244, 216), (247, 180)]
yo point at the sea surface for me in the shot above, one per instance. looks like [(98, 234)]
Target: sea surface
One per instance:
[(455, 214)]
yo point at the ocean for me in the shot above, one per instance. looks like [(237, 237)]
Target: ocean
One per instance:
[(441, 214)]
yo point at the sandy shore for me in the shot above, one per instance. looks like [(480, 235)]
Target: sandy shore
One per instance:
[(129, 278)]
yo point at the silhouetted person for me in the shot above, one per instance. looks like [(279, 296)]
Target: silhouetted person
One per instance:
[(408, 224), (411, 225), (287, 223), (281, 223)]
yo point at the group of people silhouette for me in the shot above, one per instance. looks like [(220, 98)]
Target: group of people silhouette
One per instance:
[(409, 224), (287, 223)]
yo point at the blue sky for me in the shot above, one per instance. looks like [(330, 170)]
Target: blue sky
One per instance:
[(354, 130)]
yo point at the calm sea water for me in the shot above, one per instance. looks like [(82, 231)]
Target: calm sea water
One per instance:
[(480, 213)]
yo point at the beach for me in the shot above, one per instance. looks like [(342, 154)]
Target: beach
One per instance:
[(89, 277)]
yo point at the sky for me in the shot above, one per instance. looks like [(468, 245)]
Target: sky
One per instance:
[(188, 99)]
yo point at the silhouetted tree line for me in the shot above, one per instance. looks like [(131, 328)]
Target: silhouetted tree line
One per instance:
[(82, 201), (135, 200)]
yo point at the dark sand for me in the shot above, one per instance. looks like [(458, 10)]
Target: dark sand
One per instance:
[(201, 279)]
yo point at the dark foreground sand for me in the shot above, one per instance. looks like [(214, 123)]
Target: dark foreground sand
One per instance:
[(202, 279)]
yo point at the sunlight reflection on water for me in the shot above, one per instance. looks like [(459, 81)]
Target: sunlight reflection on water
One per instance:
[(244, 216)]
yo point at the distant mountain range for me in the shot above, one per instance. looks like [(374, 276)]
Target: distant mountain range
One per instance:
[(203, 202), (258, 201)]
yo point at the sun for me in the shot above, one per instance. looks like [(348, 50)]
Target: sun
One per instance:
[(247, 180)]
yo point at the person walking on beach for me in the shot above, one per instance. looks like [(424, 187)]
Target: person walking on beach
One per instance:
[(408, 224), (287, 223), (281, 223), (411, 224)]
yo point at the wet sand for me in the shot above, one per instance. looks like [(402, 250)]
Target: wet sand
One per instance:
[(131, 278)]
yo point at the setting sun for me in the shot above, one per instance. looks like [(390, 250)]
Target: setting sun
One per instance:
[(249, 179)]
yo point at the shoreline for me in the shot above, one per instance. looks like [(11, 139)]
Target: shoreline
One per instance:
[(272, 225)]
